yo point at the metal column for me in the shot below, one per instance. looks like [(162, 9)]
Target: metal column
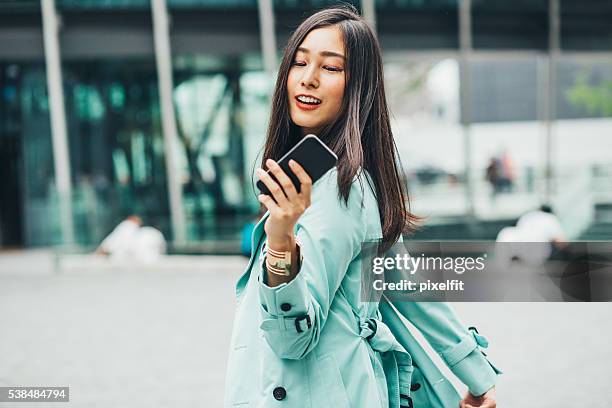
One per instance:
[(368, 9), (465, 98), (267, 35), (163, 58), (551, 94), (59, 135)]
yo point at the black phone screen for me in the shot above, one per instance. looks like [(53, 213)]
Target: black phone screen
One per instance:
[(310, 153)]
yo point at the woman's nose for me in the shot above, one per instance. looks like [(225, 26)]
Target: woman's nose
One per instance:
[(310, 79)]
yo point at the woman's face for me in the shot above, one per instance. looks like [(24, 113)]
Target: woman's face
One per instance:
[(315, 85)]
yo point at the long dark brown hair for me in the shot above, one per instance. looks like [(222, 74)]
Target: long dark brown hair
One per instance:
[(361, 134)]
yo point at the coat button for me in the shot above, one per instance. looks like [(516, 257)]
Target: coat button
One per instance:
[(415, 386), (285, 307), (279, 393)]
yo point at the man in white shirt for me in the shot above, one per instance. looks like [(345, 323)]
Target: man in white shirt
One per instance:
[(149, 245), (539, 226), (131, 241), (118, 243)]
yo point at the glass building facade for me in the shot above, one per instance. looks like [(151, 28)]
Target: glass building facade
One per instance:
[(526, 77)]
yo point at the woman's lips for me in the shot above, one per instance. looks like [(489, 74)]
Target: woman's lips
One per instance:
[(306, 106)]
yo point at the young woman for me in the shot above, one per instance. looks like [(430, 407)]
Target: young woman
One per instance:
[(302, 337)]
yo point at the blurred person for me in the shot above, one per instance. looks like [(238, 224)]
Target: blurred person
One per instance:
[(507, 175), (130, 240), (118, 243), (493, 177), (512, 248), (542, 225), (500, 173), (302, 336), (149, 244), (537, 236), (508, 234)]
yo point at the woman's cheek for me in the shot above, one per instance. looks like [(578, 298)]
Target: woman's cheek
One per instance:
[(339, 93), (338, 96)]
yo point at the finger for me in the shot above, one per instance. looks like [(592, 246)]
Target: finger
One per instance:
[(283, 179), (489, 404), (305, 180), (268, 202), (275, 189)]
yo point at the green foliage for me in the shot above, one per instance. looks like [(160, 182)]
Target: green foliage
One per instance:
[(596, 99)]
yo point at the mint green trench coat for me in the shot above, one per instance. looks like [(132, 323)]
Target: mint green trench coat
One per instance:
[(312, 343)]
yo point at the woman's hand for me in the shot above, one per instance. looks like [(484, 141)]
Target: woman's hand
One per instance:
[(487, 400), (289, 205)]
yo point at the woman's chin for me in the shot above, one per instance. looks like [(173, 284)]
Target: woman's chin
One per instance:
[(304, 122), (307, 127)]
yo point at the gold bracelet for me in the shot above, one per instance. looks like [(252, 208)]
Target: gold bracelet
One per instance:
[(276, 271), (280, 254), (282, 265)]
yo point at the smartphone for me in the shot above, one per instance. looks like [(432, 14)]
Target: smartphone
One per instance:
[(310, 153)]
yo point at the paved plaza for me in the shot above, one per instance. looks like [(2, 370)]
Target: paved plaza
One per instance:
[(158, 335)]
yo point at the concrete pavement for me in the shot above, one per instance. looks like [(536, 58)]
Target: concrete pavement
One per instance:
[(157, 336)]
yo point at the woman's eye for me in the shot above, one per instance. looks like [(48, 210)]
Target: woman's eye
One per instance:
[(332, 68), (299, 63)]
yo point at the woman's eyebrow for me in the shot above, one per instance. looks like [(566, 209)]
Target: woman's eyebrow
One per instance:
[(322, 53)]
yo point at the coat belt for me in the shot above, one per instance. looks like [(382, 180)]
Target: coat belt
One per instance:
[(396, 361)]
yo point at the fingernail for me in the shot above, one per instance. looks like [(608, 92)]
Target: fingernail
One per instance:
[(270, 162)]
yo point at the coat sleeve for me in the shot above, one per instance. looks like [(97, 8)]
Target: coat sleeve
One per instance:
[(460, 348), (330, 235)]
